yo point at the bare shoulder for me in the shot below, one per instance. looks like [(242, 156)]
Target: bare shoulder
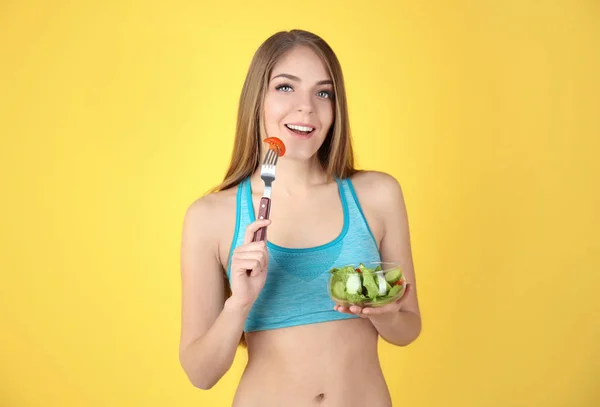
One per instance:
[(211, 207), (210, 217), (378, 189), (381, 200)]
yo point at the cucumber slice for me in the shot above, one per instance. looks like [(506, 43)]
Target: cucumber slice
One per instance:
[(338, 290), (395, 290), (393, 275)]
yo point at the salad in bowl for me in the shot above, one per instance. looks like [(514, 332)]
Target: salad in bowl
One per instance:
[(371, 284)]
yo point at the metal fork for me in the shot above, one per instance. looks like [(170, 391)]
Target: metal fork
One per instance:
[(267, 174)]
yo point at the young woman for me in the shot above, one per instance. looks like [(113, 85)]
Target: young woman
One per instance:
[(302, 349)]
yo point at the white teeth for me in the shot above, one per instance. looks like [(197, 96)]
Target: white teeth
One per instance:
[(300, 128)]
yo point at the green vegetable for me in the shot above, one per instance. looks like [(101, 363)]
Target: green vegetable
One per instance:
[(359, 285), (395, 290), (369, 282), (393, 275), (356, 298), (338, 289)]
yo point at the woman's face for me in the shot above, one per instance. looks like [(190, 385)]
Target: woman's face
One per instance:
[(299, 105)]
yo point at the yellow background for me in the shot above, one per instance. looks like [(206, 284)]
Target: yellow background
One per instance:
[(116, 115)]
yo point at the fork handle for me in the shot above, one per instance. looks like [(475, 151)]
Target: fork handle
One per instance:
[(263, 213)]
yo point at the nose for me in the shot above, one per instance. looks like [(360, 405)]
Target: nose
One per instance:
[(305, 103)]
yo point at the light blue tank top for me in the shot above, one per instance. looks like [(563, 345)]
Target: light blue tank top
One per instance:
[(295, 292)]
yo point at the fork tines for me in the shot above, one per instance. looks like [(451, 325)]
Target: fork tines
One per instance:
[(271, 157)]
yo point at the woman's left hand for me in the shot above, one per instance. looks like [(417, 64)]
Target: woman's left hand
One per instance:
[(378, 313)]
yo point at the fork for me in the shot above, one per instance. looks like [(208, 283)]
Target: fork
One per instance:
[(267, 174)]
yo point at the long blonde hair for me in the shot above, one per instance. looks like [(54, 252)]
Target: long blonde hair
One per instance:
[(335, 155)]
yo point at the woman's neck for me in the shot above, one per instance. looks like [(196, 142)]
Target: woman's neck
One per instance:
[(293, 177)]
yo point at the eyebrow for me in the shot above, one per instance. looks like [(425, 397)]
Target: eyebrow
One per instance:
[(295, 78)]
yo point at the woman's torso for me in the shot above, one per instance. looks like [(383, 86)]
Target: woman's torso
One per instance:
[(330, 363)]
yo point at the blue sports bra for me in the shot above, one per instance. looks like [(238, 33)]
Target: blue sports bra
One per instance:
[(295, 292)]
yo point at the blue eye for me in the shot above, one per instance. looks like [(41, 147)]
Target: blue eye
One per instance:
[(325, 94), (284, 88)]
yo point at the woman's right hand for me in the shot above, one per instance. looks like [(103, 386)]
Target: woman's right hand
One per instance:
[(249, 264)]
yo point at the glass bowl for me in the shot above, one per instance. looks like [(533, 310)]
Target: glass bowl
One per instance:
[(369, 284)]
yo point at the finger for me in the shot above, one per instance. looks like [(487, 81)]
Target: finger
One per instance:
[(253, 227), (250, 264), (252, 246), (348, 310), (382, 310), (249, 255), (343, 310), (261, 256), (356, 310)]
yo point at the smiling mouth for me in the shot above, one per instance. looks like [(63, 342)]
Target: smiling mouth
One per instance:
[(302, 130)]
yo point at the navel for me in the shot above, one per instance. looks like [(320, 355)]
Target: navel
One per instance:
[(320, 397)]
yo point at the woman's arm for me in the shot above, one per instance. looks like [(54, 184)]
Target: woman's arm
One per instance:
[(211, 326), (386, 202)]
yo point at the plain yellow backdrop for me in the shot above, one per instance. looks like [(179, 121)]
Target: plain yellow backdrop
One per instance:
[(115, 116)]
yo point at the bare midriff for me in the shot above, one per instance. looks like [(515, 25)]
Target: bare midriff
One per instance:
[(329, 364)]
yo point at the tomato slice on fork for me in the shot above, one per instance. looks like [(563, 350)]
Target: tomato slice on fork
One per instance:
[(276, 144)]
